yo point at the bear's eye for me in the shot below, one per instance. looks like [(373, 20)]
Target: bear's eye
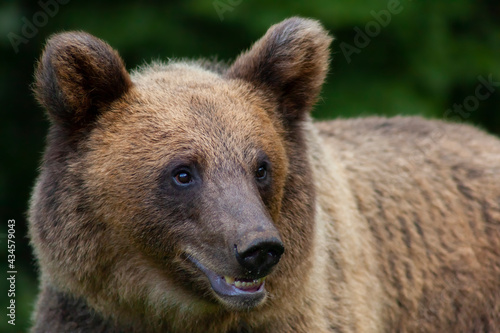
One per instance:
[(261, 172), (183, 178)]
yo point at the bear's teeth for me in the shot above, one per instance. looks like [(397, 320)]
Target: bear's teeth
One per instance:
[(229, 280), (243, 284)]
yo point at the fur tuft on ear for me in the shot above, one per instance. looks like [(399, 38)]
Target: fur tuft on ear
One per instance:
[(290, 61), (77, 75)]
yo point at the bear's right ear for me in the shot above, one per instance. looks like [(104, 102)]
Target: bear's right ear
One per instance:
[(290, 62), (77, 75)]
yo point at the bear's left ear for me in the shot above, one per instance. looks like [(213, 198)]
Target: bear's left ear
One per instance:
[(77, 75), (290, 61)]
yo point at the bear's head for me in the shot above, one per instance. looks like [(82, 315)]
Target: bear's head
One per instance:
[(183, 186)]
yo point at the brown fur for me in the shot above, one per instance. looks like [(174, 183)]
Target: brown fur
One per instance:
[(389, 225)]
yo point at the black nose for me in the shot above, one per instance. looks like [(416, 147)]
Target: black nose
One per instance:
[(260, 257)]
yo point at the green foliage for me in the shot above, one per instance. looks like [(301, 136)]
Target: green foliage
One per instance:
[(428, 59)]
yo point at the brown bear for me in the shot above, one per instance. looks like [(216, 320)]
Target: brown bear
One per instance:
[(194, 197)]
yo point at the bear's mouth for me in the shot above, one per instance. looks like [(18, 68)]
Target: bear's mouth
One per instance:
[(231, 286), (246, 285)]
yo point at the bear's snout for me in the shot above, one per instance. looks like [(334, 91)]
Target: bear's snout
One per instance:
[(260, 256)]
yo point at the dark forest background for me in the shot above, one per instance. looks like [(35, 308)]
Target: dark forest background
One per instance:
[(408, 57)]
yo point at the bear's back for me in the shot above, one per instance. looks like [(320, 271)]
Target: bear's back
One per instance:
[(430, 194)]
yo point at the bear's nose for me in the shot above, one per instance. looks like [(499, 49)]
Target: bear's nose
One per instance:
[(260, 257)]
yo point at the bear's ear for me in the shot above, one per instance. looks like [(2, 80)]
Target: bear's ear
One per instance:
[(290, 61), (77, 75)]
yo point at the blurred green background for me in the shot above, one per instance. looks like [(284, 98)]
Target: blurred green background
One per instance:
[(390, 57)]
